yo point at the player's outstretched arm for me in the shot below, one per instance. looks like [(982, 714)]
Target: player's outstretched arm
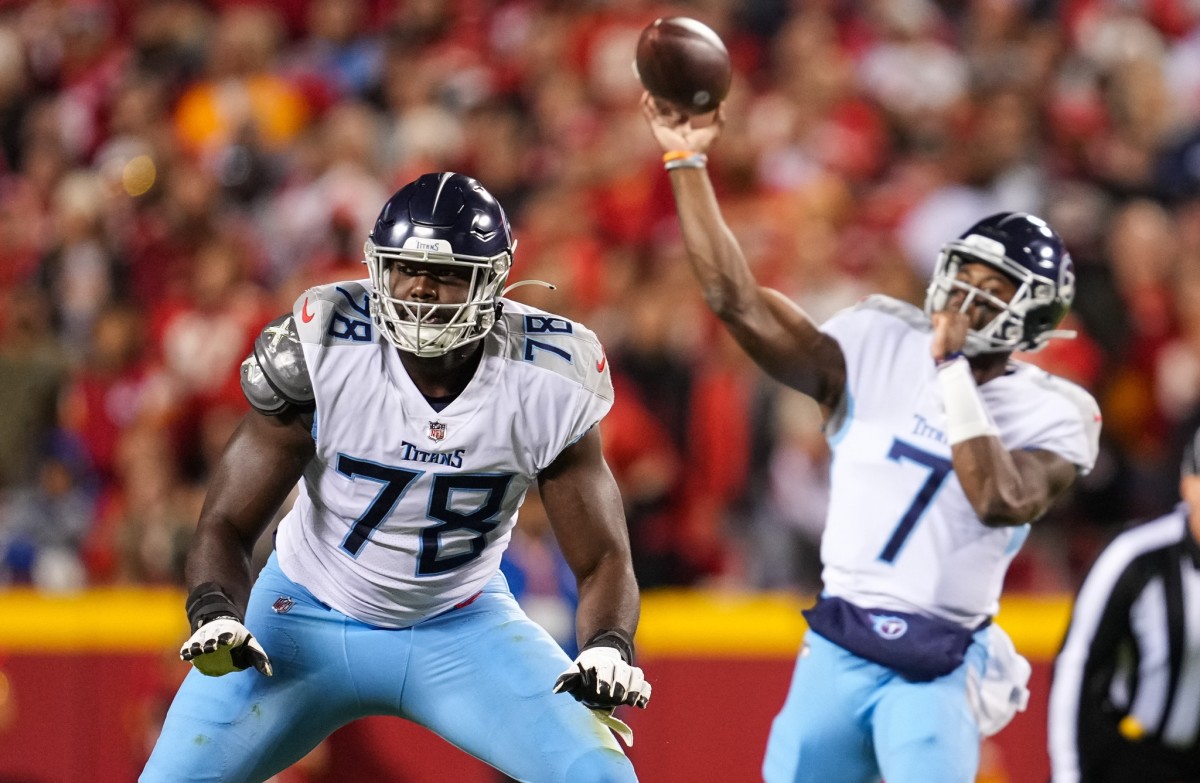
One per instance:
[(771, 328), (583, 504), (262, 462)]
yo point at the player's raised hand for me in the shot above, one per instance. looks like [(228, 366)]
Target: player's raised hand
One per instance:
[(224, 645), (676, 130), (949, 333), (601, 678)]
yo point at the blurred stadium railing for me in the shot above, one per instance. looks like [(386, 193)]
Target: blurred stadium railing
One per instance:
[(84, 680)]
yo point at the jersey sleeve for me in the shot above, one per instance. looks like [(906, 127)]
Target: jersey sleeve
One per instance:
[(595, 393), (591, 393), (570, 372), (1073, 429), (275, 375)]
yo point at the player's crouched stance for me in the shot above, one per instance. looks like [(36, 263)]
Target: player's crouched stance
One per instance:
[(415, 409)]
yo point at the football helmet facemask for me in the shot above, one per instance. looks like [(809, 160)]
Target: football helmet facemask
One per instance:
[(444, 220), (1027, 251)]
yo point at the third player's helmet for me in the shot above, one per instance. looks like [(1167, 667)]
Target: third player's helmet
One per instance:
[(1032, 255), (445, 219)]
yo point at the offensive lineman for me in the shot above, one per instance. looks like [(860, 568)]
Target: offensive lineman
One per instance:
[(944, 451), (415, 409)]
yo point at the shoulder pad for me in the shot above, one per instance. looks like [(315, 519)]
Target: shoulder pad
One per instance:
[(1082, 402), (559, 345), (906, 312), (275, 375), (336, 313)]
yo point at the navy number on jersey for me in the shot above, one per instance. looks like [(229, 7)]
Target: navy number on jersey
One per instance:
[(469, 502), (939, 468), (351, 328), (481, 494), (542, 324), (395, 483)]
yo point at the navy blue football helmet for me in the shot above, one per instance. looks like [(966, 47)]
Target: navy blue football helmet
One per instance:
[(1026, 250), (445, 219)]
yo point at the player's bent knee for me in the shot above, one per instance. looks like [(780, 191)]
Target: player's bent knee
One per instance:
[(202, 758), (603, 765), (933, 760), (169, 772)]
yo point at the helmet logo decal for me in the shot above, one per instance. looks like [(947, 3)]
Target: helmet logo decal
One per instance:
[(1066, 283), (437, 430)]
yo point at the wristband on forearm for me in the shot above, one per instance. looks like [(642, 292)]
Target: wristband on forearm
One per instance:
[(612, 637), (684, 159), (949, 358), (207, 602), (966, 417)]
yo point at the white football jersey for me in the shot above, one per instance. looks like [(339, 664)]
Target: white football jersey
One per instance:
[(901, 533), (404, 511)]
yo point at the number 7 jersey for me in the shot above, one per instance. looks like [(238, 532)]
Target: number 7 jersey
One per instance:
[(900, 532), (404, 511)]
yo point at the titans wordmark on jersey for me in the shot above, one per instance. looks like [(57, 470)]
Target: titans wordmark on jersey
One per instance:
[(404, 511), (901, 533)]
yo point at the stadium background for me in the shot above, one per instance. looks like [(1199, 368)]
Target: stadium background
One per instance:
[(174, 172)]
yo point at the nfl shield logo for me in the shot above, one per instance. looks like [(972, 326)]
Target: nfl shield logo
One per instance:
[(283, 604), (437, 430)]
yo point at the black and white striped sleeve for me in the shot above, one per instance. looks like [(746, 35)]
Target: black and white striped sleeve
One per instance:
[(1082, 723)]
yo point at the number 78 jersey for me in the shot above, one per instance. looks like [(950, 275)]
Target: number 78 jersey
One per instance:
[(404, 511), (900, 532)]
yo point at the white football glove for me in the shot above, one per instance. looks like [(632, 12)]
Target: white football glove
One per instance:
[(601, 679), (222, 646)]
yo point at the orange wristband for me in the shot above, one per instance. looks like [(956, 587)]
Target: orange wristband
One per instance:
[(696, 160), (677, 155)]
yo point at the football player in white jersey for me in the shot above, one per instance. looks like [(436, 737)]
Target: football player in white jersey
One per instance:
[(414, 410), (945, 450)]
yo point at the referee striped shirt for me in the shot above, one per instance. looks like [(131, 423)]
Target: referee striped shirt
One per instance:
[(1128, 675)]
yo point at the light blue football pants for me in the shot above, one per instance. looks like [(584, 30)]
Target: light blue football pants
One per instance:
[(848, 720), (480, 676)]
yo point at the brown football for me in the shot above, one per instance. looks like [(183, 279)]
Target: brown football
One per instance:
[(682, 61)]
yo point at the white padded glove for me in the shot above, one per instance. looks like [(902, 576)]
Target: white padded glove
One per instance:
[(224, 645), (601, 679)]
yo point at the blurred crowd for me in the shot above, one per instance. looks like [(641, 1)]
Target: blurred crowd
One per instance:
[(173, 173)]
